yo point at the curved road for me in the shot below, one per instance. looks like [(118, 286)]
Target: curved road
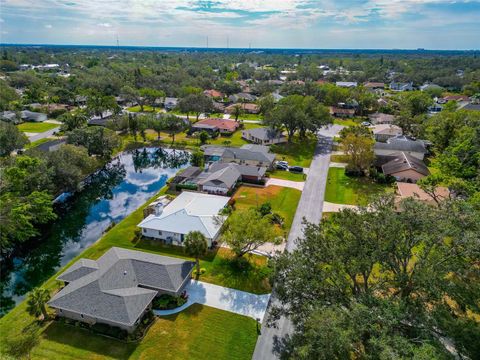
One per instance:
[(310, 207)]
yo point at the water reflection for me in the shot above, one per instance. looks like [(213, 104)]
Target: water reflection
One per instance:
[(109, 196)]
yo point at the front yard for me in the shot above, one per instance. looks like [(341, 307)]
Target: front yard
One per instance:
[(299, 152), (34, 127), (284, 200), (342, 189), (192, 334), (287, 175)]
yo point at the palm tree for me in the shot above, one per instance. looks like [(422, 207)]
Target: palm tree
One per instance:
[(196, 246), (36, 302)]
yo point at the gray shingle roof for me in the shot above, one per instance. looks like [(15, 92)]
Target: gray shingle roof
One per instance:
[(245, 154), (117, 287), (225, 177), (399, 144), (245, 170), (263, 133), (403, 162)]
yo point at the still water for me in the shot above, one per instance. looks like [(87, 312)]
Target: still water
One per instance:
[(112, 193)]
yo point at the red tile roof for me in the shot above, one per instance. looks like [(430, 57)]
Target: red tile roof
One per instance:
[(221, 124)]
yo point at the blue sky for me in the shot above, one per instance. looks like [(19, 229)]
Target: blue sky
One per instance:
[(431, 24)]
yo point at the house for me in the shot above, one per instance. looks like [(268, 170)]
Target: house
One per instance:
[(224, 126), (101, 120), (341, 112), (408, 190), (9, 116), (381, 118), (415, 148), (347, 84), (213, 94), (248, 154), (218, 106), (430, 86), (277, 97), (383, 132), (458, 98), (249, 174), (374, 85), (405, 168), (246, 107), (119, 287), (395, 86), (186, 177), (243, 96), (264, 136), (170, 103), (27, 115), (190, 211), (220, 181)]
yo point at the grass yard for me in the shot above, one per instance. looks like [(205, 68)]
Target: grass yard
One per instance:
[(284, 201), (36, 127), (298, 152), (339, 158), (249, 117), (342, 189), (346, 122), (235, 139), (146, 108), (287, 175), (196, 333)]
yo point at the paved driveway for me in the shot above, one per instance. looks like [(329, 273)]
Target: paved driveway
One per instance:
[(310, 207), (236, 301), (286, 183)]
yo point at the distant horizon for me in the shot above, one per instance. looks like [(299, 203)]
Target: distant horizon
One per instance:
[(277, 24), (113, 46)]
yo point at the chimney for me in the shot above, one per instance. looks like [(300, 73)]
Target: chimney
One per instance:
[(158, 209)]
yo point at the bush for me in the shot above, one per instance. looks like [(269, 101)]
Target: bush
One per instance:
[(179, 187), (265, 209), (168, 302), (202, 271)]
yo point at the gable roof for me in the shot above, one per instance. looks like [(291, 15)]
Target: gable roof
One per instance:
[(244, 170), (117, 287), (386, 129), (224, 177), (403, 162), (222, 124), (246, 154), (406, 190), (402, 144), (264, 133), (190, 211)]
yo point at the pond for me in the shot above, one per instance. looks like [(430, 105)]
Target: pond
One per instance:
[(110, 195)]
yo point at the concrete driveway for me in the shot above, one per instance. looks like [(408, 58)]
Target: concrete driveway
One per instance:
[(286, 183), (223, 298)]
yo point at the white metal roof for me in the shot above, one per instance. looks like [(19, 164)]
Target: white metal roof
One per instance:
[(190, 211)]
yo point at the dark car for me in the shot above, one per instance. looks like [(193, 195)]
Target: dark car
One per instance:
[(281, 167), (296, 169)]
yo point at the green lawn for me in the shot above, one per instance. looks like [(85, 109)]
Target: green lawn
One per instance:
[(249, 117), (338, 158), (199, 332), (287, 175), (346, 122), (342, 189), (36, 143), (34, 127), (146, 108), (298, 152), (235, 139), (284, 200)]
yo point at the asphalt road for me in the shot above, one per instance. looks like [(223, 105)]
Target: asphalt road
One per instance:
[(310, 207), (44, 134)]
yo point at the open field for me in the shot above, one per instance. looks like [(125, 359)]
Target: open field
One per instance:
[(34, 127), (284, 201), (191, 334), (342, 189)]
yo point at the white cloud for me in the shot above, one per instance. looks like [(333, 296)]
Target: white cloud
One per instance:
[(105, 25), (48, 26)]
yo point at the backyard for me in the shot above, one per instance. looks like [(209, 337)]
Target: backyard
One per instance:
[(284, 200), (342, 189), (191, 334), (36, 127)]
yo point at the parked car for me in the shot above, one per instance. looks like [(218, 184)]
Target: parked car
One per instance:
[(281, 167), (281, 162), (296, 169), (366, 123)]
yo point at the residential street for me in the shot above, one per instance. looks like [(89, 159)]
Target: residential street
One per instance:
[(45, 134), (310, 207)]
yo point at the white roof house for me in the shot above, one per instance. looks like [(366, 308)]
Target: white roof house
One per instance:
[(190, 211)]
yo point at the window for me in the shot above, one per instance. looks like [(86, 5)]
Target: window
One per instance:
[(144, 230), (160, 233), (81, 315)]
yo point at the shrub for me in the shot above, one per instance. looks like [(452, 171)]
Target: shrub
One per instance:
[(168, 302), (202, 271)]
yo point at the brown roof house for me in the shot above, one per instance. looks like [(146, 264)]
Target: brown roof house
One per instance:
[(405, 168), (249, 108), (407, 190), (381, 118), (341, 112)]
